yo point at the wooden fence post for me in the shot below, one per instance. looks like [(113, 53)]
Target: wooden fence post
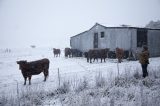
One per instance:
[(118, 69), (58, 77)]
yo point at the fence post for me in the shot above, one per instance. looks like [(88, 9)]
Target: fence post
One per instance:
[(118, 69), (58, 77)]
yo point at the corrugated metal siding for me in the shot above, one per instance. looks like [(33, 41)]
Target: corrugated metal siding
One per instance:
[(119, 38), (113, 38), (154, 42)]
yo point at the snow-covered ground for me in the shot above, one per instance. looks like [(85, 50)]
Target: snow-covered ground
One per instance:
[(73, 70)]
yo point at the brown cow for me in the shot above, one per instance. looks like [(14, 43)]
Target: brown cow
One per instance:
[(56, 52), (119, 54), (33, 68)]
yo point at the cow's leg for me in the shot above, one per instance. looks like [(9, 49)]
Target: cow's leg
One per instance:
[(97, 59), (87, 59), (25, 78), (90, 60), (119, 60), (45, 72), (101, 60), (29, 80), (45, 76), (94, 59)]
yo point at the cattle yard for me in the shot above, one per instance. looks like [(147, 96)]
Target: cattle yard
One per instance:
[(61, 69), (67, 66)]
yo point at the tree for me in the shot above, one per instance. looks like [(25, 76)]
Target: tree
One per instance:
[(153, 24)]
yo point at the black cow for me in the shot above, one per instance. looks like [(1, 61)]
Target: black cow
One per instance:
[(67, 52), (34, 68), (56, 52), (112, 54), (76, 53)]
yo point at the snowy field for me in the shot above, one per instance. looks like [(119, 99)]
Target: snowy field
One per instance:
[(72, 70)]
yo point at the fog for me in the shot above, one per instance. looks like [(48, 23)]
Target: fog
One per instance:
[(51, 23)]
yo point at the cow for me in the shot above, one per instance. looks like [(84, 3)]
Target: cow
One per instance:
[(56, 52), (119, 54), (34, 68), (76, 53), (67, 52), (112, 54), (96, 53)]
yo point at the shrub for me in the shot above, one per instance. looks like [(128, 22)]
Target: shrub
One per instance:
[(65, 88), (82, 85), (99, 80)]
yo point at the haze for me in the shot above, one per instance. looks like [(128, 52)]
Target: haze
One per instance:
[(51, 23)]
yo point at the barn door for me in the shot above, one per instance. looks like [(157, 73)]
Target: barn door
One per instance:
[(141, 37), (95, 41)]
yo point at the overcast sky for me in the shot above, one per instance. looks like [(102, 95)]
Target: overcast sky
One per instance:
[(52, 22)]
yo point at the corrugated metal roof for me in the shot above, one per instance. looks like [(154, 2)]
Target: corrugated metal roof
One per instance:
[(122, 27)]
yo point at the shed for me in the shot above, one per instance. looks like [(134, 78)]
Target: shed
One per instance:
[(128, 38)]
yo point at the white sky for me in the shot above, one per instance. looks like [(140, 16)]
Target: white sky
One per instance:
[(52, 22)]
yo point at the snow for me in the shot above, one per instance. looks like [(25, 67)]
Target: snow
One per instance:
[(74, 70)]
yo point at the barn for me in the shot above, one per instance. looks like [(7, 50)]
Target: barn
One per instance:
[(128, 38)]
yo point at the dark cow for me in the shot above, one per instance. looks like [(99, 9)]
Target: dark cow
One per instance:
[(112, 54), (96, 53), (126, 54), (76, 53), (104, 54), (67, 52), (56, 52), (34, 68), (119, 54)]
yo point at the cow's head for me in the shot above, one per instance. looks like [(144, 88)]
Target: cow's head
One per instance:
[(22, 63)]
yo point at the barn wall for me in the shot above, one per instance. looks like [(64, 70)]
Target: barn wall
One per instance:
[(85, 42), (114, 37), (119, 38), (101, 41), (154, 42), (133, 39), (81, 42), (74, 42)]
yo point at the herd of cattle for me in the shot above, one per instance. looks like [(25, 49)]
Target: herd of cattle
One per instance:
[(36, 67), (95, 54)]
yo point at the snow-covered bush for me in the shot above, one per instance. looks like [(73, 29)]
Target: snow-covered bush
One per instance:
[(32, 95), (82, 85), (64, 88), (100, 80)]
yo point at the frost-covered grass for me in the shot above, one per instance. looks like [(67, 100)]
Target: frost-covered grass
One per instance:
[(121, 91)]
